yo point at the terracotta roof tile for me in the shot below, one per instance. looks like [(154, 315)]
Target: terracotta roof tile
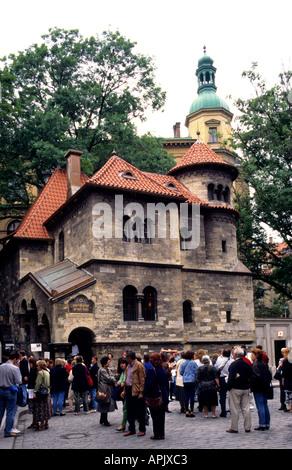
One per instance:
[(184, 191), (199, 153), (49, 200), (117, 174), (114, 175)]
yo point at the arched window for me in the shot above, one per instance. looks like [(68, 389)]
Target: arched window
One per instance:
[(208, 77), (130, 303), (187, 311), (185, 238), (226, 194), (219, 192), (126, 229), (149, 304), (138, 229), (148, 229), (61, 246), (211, 191)]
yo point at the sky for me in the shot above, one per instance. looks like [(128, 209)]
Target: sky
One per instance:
[(174, 33)]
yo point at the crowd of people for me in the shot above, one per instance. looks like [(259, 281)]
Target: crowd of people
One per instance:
[(234, 379)]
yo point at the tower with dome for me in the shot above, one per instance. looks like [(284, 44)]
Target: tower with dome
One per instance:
[(209, 117)]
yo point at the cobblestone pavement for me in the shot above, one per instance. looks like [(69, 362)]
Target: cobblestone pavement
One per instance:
[(85, 432)]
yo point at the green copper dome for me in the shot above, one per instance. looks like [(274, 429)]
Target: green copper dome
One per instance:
[(207, 97), (206, 59)]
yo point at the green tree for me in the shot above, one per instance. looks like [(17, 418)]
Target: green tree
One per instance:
[(263, 139), (75, 92)]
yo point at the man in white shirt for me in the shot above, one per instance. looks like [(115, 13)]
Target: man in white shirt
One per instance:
[(222, 365)]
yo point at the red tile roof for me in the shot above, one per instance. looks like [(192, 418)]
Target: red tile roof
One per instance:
[(167, 179), (114, 175), (49, 200), (198, 154), (117, 174)]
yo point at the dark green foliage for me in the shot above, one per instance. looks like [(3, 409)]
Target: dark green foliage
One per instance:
[(264, 140), (74, 92)]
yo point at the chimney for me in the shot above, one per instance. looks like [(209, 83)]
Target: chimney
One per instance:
[(176, 130), (73, 171)]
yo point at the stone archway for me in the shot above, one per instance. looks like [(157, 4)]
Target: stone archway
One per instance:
[(83, 338)]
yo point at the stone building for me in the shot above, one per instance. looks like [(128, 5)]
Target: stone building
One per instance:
[(89, 265), (129, 259)]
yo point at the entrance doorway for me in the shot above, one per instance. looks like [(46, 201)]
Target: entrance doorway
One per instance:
[(279, 344), (83, 338)]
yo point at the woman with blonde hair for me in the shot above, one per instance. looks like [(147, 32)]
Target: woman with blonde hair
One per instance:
[(41, 395)]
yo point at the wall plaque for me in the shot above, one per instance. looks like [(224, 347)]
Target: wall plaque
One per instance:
[(81, 304)]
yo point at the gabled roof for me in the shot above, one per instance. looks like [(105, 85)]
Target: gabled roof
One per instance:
[(114, 175), (61, 279), (200, 154), (49, 200)]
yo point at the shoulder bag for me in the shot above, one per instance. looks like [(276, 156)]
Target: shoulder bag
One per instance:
[(42, 393), (101, 397), (154, 402), (278, 375), (88, 378)]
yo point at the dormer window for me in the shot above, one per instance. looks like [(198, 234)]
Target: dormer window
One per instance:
[(128, 175), (171, 185)]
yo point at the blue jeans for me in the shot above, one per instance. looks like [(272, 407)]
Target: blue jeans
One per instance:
[(261, 401), (8, 403), (223, 395), (58, 401), (24, 391), (94, 403)]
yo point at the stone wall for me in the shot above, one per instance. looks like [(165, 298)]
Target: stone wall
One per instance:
[(212, 295), (198, 179)]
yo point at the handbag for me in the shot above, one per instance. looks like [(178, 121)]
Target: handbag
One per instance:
[(101, 397), (89, 379), (154, 402), (116, 393), (208, 385), (42, 393), (278, 375), (270, 393)]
